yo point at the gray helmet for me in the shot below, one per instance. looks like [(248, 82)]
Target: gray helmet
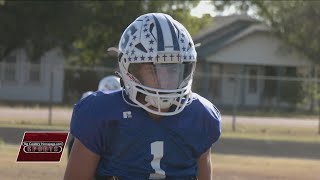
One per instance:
[(109, 83), (84, 95)]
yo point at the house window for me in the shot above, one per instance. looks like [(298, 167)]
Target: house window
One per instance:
[(34, 73), (10, 70), (253, 81)]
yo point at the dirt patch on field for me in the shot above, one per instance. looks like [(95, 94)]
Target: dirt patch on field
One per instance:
[(35, 115), (63, 116), (11, 170)]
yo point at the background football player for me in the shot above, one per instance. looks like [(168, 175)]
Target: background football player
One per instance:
[(108, 83), (155, 128)]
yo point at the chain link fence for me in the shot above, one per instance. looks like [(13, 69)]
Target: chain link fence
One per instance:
[(263, 102), (46, 96)]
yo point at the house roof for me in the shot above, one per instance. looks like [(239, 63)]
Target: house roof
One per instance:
[(220, 22), (225, 30)]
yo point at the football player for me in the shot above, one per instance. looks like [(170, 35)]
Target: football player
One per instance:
[(156, 127), (109, 83)]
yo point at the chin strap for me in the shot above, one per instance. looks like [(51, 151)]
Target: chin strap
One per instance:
[(121, 80), (123, 89), (134, 105), (190, 99)]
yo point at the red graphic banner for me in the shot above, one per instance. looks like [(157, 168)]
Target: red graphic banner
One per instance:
[(42, 146)]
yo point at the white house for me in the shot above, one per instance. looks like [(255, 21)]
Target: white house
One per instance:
[(235, 50), (28, 81)]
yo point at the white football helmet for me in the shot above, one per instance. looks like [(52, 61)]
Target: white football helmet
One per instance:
[(109, 83), (86, 94), (157, 59)]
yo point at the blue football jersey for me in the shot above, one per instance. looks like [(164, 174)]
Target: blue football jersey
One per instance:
[(133, 146)]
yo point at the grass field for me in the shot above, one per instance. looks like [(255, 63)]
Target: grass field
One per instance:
[(225, 167), (230, 167), (9, 169)]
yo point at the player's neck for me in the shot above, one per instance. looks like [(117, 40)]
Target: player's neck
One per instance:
[(155, 117)]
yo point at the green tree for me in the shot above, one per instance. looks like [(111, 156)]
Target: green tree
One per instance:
[(39, 26), (106, 28), (296, 22), (84, 29)]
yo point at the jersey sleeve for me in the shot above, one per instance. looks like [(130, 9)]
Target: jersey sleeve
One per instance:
[(213, 129), (211, 126), (86, 127)]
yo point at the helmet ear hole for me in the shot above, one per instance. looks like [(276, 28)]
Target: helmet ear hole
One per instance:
[(121, 82), (120, 56)]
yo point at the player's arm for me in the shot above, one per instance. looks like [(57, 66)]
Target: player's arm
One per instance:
[(82, 163), (204, 166)]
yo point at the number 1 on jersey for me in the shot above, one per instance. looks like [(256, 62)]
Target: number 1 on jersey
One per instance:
[(157, 152)]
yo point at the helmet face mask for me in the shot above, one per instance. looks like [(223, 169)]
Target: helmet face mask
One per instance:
[(157, 63)]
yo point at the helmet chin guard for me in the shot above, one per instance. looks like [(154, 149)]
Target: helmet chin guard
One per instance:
[(160, 100), (156, 61)]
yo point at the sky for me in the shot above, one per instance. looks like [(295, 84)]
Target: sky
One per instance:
[(205, 7)]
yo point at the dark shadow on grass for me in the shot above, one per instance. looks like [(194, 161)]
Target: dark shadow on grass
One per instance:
[(223, 146), (268, 148), (11, 135)]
